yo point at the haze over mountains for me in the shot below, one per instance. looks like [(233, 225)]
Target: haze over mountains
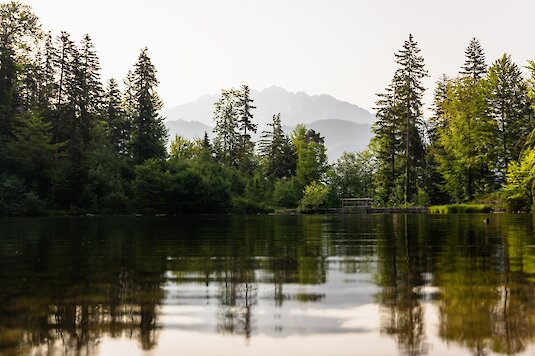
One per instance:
[(345, 126)]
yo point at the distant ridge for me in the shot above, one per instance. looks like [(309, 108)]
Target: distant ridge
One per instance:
[(294, 108), (340, 135)]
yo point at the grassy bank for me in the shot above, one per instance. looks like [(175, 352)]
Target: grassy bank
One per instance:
[(460, 208)]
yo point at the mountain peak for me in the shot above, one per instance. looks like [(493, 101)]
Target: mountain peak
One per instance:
[(274, 88), (294, 108)]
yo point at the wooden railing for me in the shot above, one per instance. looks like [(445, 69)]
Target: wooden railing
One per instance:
[(355, 202)]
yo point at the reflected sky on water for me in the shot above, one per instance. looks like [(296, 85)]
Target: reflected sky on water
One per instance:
[(300, 285)]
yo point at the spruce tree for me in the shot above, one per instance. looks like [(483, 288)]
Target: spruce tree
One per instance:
[(245, 115), (437, 121), (18, 30), (245, 126), (119, 127), (436, 125), (407, 110), (509, 105), (386, 145), (47, 84), (277, 153), (227, 137), (148, 132), (474, 65)]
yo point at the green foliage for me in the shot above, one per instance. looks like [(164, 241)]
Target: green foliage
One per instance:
[(278, 157), (69, 145), (314, 197), (510, 106), (422, 198), (351, 176), (233, 128), (519, 186), (287, 192), (460, 209), (398, 143), (105, 191), (474, 64), (466, 141), (148, 133), (245, 206), (184, 148), (311, 155), (151, 186)]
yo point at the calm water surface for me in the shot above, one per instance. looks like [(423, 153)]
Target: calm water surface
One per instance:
[(267, 285)]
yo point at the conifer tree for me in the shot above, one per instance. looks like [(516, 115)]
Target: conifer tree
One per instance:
[(400, 126), (436, 125), (385, 145), (409, 92), (18, 29), (474, 65), (276, 151), (509, 105), (437, 121), (47, 84), (148, 132), (119, 127), (227, 137), (245, 115), (246, 127)]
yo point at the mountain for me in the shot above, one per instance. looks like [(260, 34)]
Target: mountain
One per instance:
[(294, 108), (340, 135), (187, 129), (345, 126)]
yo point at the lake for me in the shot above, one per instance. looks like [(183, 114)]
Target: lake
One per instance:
[(268, 285)]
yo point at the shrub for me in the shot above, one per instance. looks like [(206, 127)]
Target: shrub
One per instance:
[(460, 209), (314, 197), (287, 192), (241, 205)]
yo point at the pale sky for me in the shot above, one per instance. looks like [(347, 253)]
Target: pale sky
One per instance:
[(344, 48)]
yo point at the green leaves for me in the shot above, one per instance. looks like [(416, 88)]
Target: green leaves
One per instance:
[(398, 141), (520, 178)]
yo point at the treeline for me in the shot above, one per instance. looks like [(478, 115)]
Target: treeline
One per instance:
[(69, 144), (478, 140)]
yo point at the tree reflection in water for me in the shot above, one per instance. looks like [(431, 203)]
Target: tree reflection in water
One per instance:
[(483, 273), (69, 283)]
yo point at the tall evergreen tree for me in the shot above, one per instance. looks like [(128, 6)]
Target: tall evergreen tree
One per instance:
[(47, 83), (400, 126), (408, 95), (435, 125), (18, 29), (276, 150), (385, 145), (246, 127), (437, 120), (227, 137), (474, 65), (510, 106), (148, 133), (119, 127)]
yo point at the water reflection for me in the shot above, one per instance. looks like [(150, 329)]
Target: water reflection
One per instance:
[(427, 284)]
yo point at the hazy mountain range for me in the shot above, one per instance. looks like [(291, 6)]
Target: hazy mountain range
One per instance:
[(345, 126)]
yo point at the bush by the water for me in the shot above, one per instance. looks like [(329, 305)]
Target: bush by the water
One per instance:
[(460, 209)]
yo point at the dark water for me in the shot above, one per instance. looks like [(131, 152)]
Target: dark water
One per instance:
[(310, 285)]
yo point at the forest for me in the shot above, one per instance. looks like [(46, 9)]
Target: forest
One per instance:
[(71, 144)]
